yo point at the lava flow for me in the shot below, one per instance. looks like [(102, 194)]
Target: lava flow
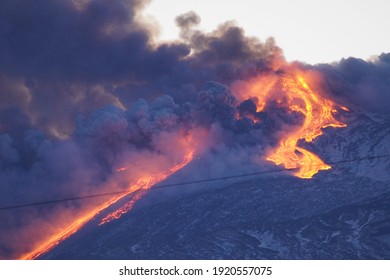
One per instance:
[(142, 185), (291, 90)]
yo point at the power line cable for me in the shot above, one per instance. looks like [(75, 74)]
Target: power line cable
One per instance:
[(47, 202)]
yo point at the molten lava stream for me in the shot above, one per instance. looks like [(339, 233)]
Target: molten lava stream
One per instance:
[(318, 113), (291, 90), (142, 185)]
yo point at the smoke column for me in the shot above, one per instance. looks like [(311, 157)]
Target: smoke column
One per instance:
[(86, 90)]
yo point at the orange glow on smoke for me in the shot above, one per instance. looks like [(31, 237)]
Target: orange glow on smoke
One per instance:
[(142, 185), (291, 90)]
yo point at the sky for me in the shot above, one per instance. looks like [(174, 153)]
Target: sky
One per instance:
[(309, 31)]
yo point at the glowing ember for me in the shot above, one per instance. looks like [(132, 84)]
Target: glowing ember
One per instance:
[(122, 169), (291, 90)]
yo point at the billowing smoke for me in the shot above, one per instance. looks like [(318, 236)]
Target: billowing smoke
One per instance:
[(364, 85), (86, 90)]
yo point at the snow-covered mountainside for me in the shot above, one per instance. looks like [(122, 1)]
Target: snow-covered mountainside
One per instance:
[(367, 135), (342, 213)]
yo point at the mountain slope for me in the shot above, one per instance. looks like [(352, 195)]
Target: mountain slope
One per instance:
[(342, 213), (272, 219)]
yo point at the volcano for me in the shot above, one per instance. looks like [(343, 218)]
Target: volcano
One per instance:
[(342, 213), (114, 145)]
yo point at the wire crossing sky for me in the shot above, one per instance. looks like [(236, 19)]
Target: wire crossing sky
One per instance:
[(316, 31), (60, 200)]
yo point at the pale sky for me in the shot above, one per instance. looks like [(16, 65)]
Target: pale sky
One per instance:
[(311, 31)]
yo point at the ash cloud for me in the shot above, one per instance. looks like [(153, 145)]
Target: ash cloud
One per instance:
[(81, 55), (70, 54), (363, 85), (84, 90), (98, 41)]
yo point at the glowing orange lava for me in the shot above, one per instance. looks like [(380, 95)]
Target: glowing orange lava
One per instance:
[(290, 89), (142, 185), (65, 232)]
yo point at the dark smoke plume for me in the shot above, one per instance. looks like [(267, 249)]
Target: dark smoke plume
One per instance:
[(363, 84), (84, 90)]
